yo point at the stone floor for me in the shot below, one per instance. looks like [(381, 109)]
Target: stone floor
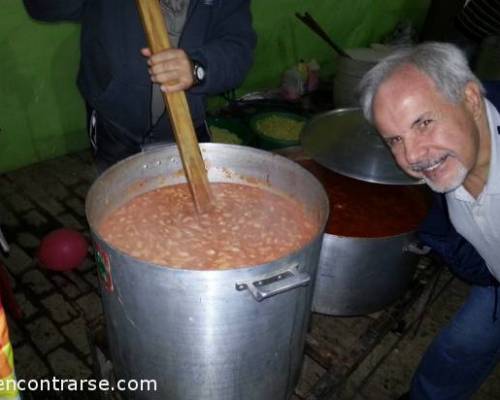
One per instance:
[(387, 371), (51, 338)]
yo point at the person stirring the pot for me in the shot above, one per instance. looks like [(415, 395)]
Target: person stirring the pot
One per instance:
[(212, 50), (432, 112)]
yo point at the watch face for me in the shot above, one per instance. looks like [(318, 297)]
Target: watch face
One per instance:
[(200, 72)]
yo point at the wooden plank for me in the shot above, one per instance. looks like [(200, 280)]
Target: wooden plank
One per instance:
[(178, 109)]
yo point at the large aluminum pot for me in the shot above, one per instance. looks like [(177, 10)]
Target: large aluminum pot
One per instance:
[(358, 276), (221, 335)]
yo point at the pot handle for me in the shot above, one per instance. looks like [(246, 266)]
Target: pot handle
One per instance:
[(278, 283), (417, 248)]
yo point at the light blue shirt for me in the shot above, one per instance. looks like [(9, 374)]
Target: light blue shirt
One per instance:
[(478, 220)]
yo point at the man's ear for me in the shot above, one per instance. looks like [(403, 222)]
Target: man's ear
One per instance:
[(473, 99)]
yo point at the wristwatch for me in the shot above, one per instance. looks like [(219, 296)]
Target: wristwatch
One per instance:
[(199, 72)]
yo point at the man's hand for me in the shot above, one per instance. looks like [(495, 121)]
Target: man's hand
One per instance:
[(170, 68)]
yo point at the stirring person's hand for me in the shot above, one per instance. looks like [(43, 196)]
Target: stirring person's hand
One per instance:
[(171, 69)]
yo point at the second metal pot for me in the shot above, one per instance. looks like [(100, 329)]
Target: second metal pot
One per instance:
[(359, 276)]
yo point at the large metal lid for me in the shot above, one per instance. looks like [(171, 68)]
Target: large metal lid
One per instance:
[(343, 141)]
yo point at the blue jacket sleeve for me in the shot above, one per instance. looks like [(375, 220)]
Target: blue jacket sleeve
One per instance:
[(437, 232), (55, 10), (228, 52)]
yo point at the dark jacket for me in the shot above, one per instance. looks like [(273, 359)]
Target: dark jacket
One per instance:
[(464, 261), (113, 75), (437, 231)]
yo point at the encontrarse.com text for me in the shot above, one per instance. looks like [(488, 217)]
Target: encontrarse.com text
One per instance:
[(60, 384)]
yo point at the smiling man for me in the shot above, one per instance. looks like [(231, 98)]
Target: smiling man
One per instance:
[(432, 112)]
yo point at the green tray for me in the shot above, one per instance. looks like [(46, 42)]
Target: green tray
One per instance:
[(233, 125), (266, 142)]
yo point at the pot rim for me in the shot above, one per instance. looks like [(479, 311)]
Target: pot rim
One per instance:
[(203, 148), (373, 237)]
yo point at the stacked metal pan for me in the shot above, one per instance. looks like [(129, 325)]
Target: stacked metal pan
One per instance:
[(479, 19), (487, 65), (351, 70)]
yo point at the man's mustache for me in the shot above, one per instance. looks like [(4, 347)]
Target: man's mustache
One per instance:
[(425, 164)]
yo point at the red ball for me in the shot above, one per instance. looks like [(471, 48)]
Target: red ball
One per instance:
[(62, 249)]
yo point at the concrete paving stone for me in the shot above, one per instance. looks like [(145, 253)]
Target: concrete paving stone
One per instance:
[(69, 221), (59, 309), (392, 376), (28, 364), (7, 218), (44, 335), (17, 260), (87, 171), (88, 264), (76, 331), (37, 282), (27, 240), (16, 335), (379, 393), (91, 277), (19, 203), (76, 205), (66, 286), (82, 190), (27, 307), (459, 287), (20, 177), (35, 219), (66, 365), (78, 281), (6, 187), (12, 281), (310, 372), (91, 306), (90, 175), (67, 174), (85, 156), (395, 372), (51, 205), (33, 190), (369, 364), (57, 190), (346, 331), (43, 174)]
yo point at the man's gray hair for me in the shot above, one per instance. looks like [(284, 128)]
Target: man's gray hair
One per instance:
[(444, 63)]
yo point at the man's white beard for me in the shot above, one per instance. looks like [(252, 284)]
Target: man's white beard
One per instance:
[(456, 180)]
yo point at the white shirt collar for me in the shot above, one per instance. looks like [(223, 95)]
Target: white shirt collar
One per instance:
[(493, 183)]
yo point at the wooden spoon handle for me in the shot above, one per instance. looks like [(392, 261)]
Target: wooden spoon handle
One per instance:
[(178, 109)]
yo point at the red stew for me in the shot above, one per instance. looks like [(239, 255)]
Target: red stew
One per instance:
[(362, 209), (248, 226)]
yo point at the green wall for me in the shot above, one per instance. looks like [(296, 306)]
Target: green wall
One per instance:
[(42, 114), (283, 40)]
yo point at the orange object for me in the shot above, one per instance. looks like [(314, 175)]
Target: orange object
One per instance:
[(62, 250), (7, 295)]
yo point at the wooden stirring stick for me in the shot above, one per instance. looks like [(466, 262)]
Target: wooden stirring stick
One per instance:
[(177, 106)]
